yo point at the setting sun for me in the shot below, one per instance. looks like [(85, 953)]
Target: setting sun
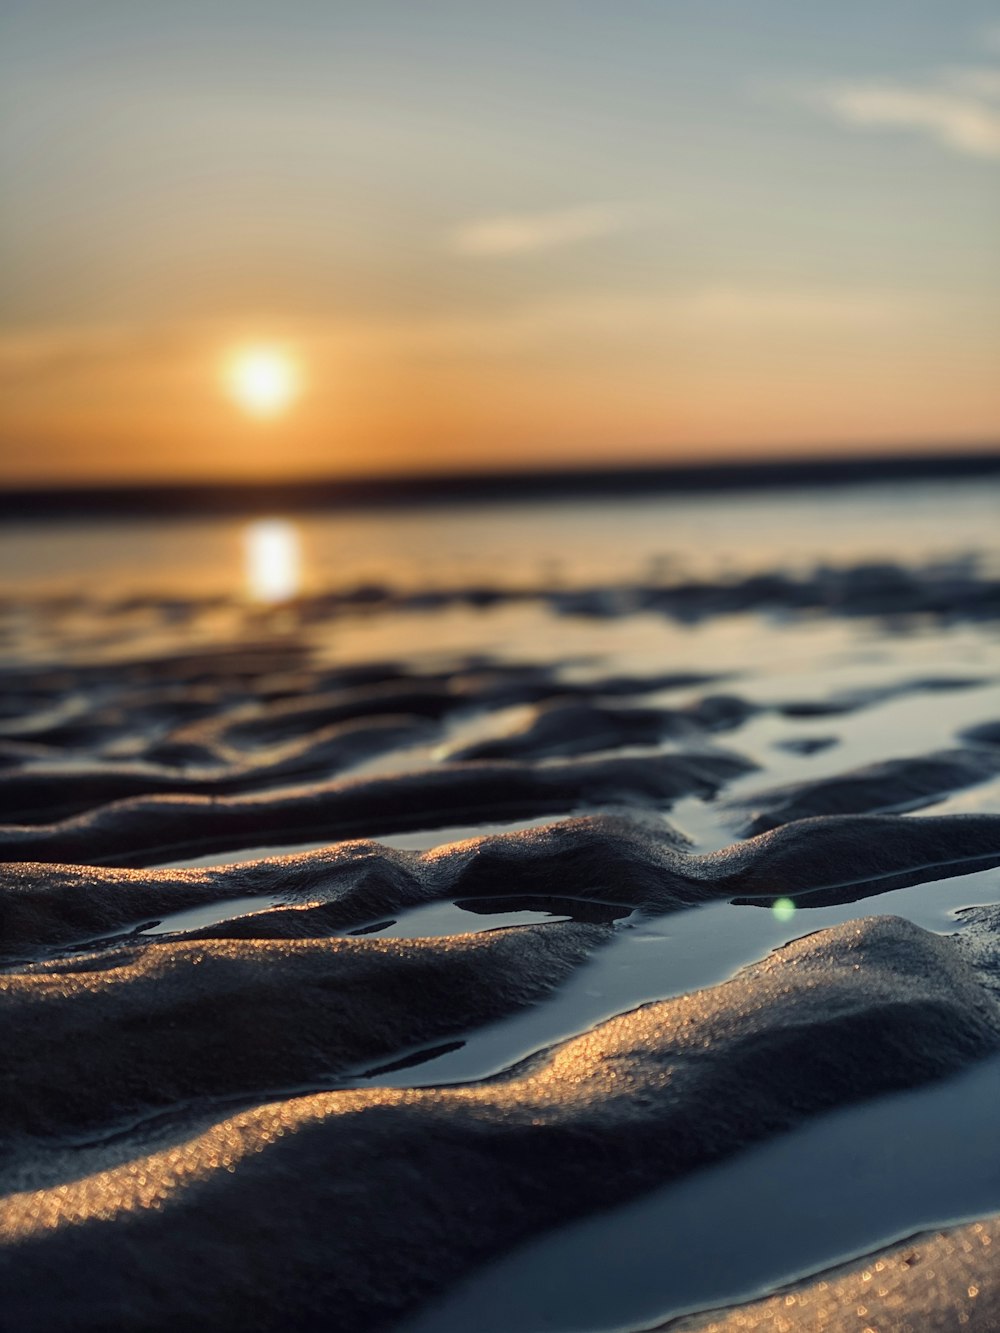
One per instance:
[(264, 381)]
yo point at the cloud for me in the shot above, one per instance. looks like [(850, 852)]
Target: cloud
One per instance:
[(523, 233), (654, 320), (60, 350), (959, 108), (32, 359), (25, 356), (736, 307), (963, 123), (979, 81)]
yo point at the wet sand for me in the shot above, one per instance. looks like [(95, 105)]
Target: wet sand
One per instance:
[(331, 976)]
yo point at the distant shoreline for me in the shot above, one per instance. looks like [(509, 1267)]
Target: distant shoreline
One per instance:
[(301, 496)]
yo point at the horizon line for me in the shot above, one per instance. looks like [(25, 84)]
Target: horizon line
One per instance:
[(257, 495)]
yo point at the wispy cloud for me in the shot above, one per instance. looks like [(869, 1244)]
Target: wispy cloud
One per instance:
[(964, 123), (981, 81), (40, 357), (656, 319), (522, 233), (59, 350), (735, 307), (959, 108)]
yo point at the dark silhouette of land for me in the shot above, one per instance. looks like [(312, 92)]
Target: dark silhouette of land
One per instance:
[(255, 497)]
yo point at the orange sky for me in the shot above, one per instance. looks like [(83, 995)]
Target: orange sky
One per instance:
[(649, 238)]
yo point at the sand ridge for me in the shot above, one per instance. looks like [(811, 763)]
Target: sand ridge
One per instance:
[(436, 1179), (192, 1124), (44, 908)]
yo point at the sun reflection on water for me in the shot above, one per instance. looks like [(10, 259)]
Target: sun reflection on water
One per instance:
[(273, 560)]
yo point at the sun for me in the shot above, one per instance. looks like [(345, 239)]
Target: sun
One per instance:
[(263, 380)]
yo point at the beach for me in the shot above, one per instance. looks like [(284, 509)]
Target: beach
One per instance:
[(577, 916)]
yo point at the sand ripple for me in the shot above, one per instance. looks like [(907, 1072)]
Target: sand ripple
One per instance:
[(192, 1125), (434, 1180)]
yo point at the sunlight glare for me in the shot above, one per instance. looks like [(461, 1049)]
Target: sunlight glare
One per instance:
[(264, 381), (273, 560)]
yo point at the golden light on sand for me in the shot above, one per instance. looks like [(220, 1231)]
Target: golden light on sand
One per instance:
[(263, 380), (273, 560)]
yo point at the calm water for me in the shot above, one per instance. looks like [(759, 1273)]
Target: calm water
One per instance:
[(576, 543)]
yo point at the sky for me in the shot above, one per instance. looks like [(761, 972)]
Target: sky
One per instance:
[(490, 236)]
